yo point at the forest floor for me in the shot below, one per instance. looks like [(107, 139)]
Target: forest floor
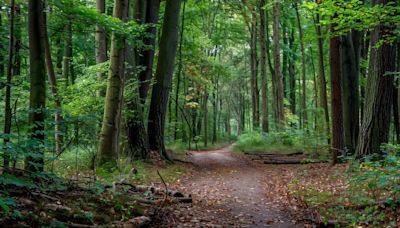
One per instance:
[(230, 190)]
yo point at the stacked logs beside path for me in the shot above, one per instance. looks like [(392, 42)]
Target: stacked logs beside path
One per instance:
[(282, 158)]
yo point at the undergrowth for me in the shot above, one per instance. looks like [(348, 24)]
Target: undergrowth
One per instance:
[(363, 194), (290, 140)]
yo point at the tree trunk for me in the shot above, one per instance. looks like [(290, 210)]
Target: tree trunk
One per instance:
[(205, 108), (163, 77), (321, 76), (303, 68), (67, 61), (277, 83), (292, 73), (8, 113), (178, 78), (147, 55), (37, 96), (336, 98), (255, 95), (264, 82), (101, 42), (1, 48), (378, 102), (58, 118), (108, 142), (350, 89)]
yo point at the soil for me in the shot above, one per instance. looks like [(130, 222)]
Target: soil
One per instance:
[(230, 190)]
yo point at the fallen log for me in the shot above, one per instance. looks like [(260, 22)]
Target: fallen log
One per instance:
[(292, 162), (274, 154)]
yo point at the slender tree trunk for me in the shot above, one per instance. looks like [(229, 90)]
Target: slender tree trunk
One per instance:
[(67, 61), (292, 73), (277, 83), (37, 96), (178, 78), (254, 73), (101, 42), (58, 118), (163, 77), (108, 144), (205, 108), (17, 41), (378, 103), (8, 113), (147, 59), (321, 76), (1, 48), (303, 68), (264, 82)]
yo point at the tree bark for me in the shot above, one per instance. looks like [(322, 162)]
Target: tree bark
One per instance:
[(37, 103), (303, 69), (8, 113), (336, 98), (350, 89), (255, 94), (323, 102), (163, 77), (292, 74), (68, 51), (378, 102), (108, 144), (58, 118), (101, 42), (264, 85), (277, 83), (147, 55)]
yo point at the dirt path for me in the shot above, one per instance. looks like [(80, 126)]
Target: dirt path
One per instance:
[(231, 191)]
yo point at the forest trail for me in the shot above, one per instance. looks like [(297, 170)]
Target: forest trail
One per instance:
[(230, 191)]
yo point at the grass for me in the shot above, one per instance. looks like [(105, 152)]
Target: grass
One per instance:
[(280, 142), (78, 162)]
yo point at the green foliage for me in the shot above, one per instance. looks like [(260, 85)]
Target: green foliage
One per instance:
[(291, 140)]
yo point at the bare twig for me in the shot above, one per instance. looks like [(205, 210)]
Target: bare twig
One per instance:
[(166, 188)]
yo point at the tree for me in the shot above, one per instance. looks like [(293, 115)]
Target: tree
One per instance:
[(8, 114), (378, 102), (264, 85), (336, 97), (163, 77), (277, 83), (303, 68), (108, 145), (101, 41), (37, 104)]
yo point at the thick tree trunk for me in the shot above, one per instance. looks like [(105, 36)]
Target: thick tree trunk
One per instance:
[(378, 102), (277, 83), (37, 96), (303, 68), (58, 118), (323, 102), (264, 82), (107, 150), (350, 89), (163, 77), (101, 42), (336, 98), (8, 113)]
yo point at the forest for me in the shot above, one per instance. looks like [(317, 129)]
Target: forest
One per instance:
[(199, 113)]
